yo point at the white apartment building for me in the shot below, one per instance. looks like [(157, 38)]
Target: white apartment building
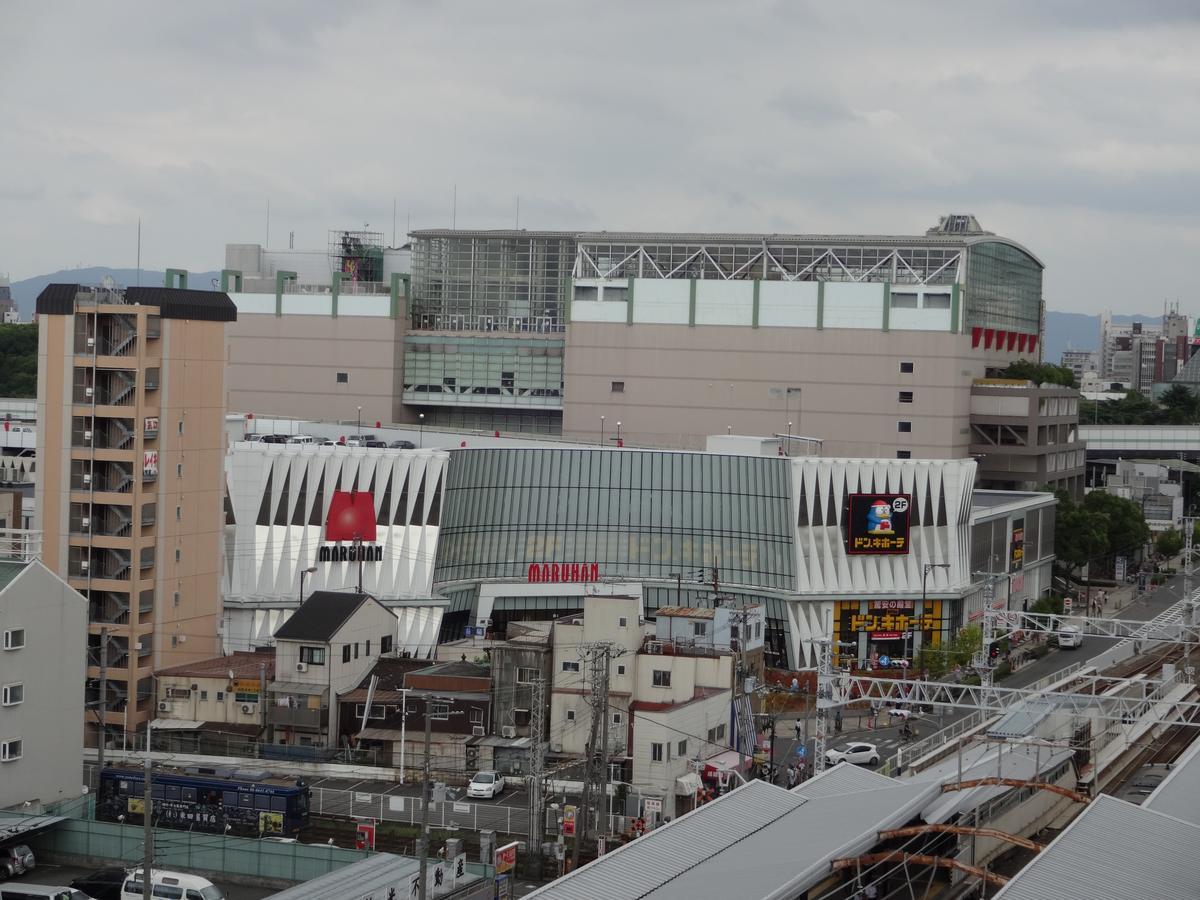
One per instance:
[(670, 703), (43, 634)]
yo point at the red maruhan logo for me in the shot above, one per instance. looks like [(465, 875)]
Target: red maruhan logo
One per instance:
[(351, 517)]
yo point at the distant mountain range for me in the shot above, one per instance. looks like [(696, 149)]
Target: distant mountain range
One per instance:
[(1064, 330), (25, 292)]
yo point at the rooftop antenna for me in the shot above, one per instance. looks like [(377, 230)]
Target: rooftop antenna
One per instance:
[(291, 240), (454, 209), (139, 252), (393, 220), (267, 242)]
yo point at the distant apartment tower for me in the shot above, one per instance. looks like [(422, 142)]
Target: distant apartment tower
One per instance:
[(1080, 362), (1142, 354), (8, 308), (131, 407)]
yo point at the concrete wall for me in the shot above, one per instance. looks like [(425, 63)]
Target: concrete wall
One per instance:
[(211, 701), (287, 365), (669, 728), (49, 720), (681, 383)]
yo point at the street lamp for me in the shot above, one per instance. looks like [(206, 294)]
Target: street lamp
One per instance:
[(421, 425), (619, 444), (926, 568), (602, 431), (311, 570), (358, 433), (788, 451)]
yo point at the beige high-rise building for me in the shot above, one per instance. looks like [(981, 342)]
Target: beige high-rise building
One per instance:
[(131, 406)]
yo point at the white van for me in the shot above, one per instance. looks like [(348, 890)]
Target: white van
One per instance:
[(16, 890), (1070, 637), (172, 886), (302, 439)]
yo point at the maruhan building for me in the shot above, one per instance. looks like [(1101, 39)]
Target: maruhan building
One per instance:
[(887, 556)]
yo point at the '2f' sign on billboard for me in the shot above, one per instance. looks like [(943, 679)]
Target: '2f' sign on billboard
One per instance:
[(878, 524)]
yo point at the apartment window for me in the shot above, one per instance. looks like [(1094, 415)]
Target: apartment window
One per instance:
[(179, 514), (904, 301), (621, 670), (906, 368), (220, 696), (179, 470), (622, 622), (712, 735), (699, 628), (181, 427), (204, 695), (618, 387), (758, 629), (177, 553), (733, 632), (656, 752), (720, 732), (903, 454), (905, 397), (10, 750), (476, 715), (662, 678), (246, 696), (616, 718), (526, 676), (175, 598), (346, 653), (904, 427), (569, 666), (367, 648), (174, 640), (936, 301), (178, 693), (343, 377), (570, 715), (385, 645), (683, 748), (14, 638), (314, 656), (356, 649), (13, 694)]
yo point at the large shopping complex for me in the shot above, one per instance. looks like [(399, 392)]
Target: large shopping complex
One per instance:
[(887, 556)]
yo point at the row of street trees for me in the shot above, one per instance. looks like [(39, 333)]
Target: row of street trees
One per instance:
[(1098, 530)]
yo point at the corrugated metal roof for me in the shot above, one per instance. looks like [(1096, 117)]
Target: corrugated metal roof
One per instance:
[(371, 876), (1179, 793), (691, 612), (1114, 849), (9, 572), (1022, 721), (843, 779), (758, 841)]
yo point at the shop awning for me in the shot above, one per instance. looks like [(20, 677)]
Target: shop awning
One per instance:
[(688, 784), (727, 761), (174, 725)]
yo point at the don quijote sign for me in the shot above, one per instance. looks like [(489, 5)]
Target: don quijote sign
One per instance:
[(350, 529), (563, 573)]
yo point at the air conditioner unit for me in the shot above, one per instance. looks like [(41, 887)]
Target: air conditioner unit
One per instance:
[(87, 437), (87, 392), (301, 667), (85, 523), (508, 731), (84, 565), (555, 748), (87, 477), (247, 708), (164, 706), (478, 730), (91, 342)]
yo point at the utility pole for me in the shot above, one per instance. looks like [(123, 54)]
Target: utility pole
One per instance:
[(262, 695), (983, 662), (596, 762), (103, 699), (147, 824), (423, 838), (537, 764)]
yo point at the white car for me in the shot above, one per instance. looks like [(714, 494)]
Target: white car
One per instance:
[(1070, 637), (486, 785), (899, 712), (858, 753)]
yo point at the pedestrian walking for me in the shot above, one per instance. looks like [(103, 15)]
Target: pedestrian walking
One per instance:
[(792, 776), (799, 728)]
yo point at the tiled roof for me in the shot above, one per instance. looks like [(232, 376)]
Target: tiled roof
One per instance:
[(689, 612), (320, 616), (242, 663)]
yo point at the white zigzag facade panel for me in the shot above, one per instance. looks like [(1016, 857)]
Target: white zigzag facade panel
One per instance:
[(278, 502)]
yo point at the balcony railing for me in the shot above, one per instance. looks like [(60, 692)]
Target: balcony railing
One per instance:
[(297, 717), (20, 544)]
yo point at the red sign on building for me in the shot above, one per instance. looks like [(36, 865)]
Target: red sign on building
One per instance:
[(554, 573), (351, 517)]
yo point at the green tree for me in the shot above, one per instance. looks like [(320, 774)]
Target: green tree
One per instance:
[(1040, 373), (1124, 523), (1169, 543), (1180, 405), (18, 360), (960, 650), (1079, 533)]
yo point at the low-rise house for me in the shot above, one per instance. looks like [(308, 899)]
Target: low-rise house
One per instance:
[(516, 664), (323, 650), (212, 705)]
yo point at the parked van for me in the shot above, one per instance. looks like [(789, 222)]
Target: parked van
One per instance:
[(16, 890), (172, 886), (302, 439)]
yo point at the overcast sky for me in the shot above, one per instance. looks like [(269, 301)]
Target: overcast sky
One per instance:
[(1072, 127)]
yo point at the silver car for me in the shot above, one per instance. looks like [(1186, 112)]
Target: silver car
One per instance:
[(16, 859)]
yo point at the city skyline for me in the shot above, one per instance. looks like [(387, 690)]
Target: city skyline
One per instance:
[(759, 119)]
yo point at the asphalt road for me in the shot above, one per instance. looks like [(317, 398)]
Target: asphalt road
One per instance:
[(62, 875)]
